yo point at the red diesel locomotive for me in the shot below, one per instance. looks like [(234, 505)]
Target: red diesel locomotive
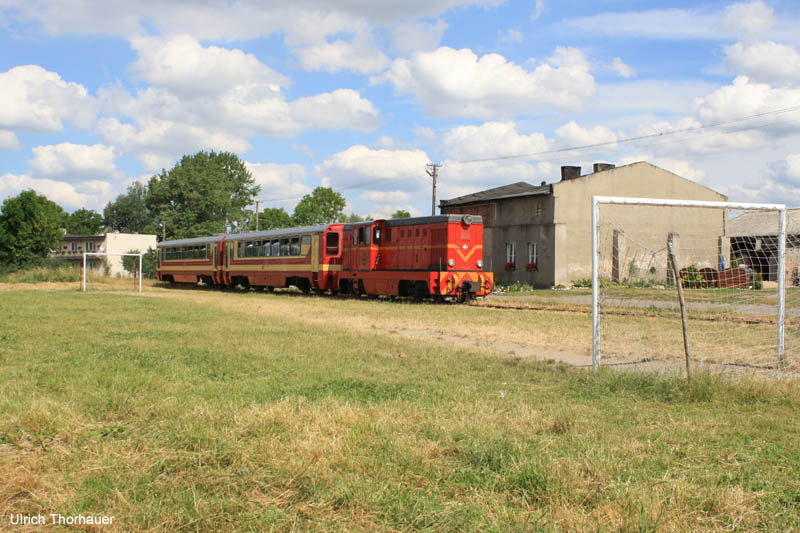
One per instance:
[(426, 257)]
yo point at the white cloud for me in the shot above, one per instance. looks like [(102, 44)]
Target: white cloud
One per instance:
[(92, 194), (243, 19), (571, 134), (654, 23), (787, 172), (648, 96), (765, 61), (385, 141), (358, 55), (748, 19), (491, 139), (157, 143), (538, 9), (744, 98), (303, 149), (377, 170), (417, 36), (450, 82), (180, 63), (386, 196), (39, 100), (281, 185), (618, 66), (172, 117), (74, 162), (680, 167), (511, 36), (768, 189), (9, 141), (426, 135), (340, 109)]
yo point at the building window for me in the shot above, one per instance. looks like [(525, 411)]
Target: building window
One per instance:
[(90, 247), (511, 256), (533, 257)]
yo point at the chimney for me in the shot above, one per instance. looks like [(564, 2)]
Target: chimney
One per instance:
[(570, 173), (600, 167)]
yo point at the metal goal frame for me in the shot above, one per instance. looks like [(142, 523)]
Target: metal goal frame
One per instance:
[(781, 210), (107, 254)]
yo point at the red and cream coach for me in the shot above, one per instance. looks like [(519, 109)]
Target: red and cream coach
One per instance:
[(425, 257)]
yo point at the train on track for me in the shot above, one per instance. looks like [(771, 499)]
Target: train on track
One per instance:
[(436, 257)]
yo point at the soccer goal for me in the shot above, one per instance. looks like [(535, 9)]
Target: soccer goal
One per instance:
[(688, 283), (105, 254)]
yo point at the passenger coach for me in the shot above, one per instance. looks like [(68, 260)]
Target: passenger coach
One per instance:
[(437, 256)]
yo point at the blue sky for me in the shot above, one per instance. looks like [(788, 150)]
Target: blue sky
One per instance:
[(360, 96)]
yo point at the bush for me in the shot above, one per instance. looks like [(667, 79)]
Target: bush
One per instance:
[(45, 274), (44, 267), (514, 287)]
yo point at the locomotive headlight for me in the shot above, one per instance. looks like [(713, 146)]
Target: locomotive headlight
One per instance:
[(480, 263), (451, 263)]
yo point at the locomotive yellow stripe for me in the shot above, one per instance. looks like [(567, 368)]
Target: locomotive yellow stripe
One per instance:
[(258, 268)]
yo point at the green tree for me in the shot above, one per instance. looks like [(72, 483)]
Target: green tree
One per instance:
[(270, 218), (201, 193), (83, 222), (131, 264), (129, 213), (30, 226), (352, 218), (401, 213), (322, 206)]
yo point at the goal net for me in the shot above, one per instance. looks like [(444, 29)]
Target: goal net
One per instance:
[(734, 271), (137, 273)]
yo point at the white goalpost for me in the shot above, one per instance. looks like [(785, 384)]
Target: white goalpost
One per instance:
[(98, 254), (675, 281)]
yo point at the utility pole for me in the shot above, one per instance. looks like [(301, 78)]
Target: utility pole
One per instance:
[(433, 173), (163, 231), (257, 202)]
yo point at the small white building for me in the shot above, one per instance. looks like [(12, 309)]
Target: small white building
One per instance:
[(72, 248)]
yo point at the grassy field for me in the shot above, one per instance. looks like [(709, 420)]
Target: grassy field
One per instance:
[(191, 410)]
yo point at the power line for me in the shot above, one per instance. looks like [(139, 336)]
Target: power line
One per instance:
[(661, 135), (630, 139)]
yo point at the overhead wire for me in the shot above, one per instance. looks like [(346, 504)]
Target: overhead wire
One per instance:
[(543, 154)]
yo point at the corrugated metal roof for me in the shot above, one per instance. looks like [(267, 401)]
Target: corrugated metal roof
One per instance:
[(762, 223), (506, 191)]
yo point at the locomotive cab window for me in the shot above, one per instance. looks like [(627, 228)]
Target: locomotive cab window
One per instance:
[(376, 235), (363, 235), (332, 244)]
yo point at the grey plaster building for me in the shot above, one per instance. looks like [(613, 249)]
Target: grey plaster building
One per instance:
[(544, 231)]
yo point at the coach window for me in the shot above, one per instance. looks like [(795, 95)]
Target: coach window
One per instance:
[(275, 248), (332, 244), (284, 247), (305, 244), (294, 246)]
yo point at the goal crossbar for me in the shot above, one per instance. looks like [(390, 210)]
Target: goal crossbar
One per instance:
[(98, 254), (781, 209)]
